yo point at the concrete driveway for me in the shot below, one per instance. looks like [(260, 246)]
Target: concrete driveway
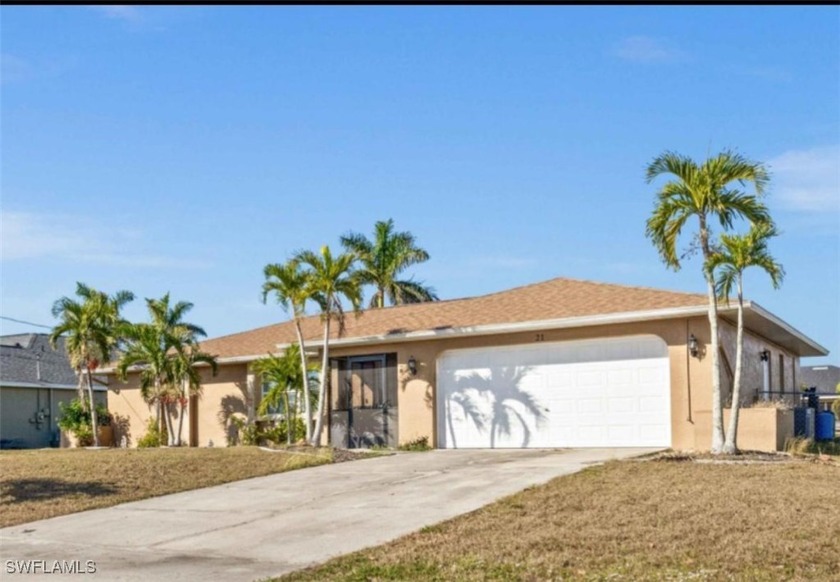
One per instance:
[(267, 526)]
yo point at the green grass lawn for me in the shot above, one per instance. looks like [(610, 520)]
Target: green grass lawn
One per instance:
[(631, 520), (45, 483)]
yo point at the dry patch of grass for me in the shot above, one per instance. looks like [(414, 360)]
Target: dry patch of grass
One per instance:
[(801, 446), (653, 520), (45, 483)]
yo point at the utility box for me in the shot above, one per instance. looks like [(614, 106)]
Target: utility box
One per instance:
[(803, 422)]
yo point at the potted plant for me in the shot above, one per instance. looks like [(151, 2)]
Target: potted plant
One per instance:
[(75, 425)]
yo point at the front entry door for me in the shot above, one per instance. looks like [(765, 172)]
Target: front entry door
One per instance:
[(366, 407)]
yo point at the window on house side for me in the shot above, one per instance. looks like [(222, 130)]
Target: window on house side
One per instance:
[(781, 373)]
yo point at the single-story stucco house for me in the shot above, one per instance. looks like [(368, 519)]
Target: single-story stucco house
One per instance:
[(34, 380), (561, 363)]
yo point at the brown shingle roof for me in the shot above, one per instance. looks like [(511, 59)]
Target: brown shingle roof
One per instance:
[(554, 299)]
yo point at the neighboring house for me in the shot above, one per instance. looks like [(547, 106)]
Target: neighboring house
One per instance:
[(825, 378), (34, 378), (562, 363)]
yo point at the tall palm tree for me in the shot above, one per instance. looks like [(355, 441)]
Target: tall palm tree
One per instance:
[(91, 328), (704, 191), (154, 346), (288, 283), (284, 373), (383, 259), (330, 279), (736, 254)]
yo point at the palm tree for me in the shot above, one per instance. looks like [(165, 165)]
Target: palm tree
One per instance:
[(329, 280), (154, 346), (185, 378), (146, 351), (738, 253), (91, 328), (284, 373), (383, 259), (288, 283), (704, 191)]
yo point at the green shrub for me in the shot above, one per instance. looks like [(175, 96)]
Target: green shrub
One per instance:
[(277, 433), (249, 434), (153, 436), (75, 419), (418, 444)]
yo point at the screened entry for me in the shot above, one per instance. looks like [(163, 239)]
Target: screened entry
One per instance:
[(363, 411)]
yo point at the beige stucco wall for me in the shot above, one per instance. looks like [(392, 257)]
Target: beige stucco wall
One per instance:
[(691, 397), (222, 396), (417, 412), (759, 429)]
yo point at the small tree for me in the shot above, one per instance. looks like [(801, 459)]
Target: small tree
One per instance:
[(155, 348), (736, 254), (284, 374), (91, 329), (185, 378)]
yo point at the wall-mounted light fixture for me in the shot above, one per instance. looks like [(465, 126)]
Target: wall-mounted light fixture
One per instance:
[(412, 366), (693, 348), (765, 356)]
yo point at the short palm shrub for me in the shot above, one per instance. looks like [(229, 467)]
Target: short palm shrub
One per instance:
[(250, 433), (153, 436), (418, 444), (277, 434)]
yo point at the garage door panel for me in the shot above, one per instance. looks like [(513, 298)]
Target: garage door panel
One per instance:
[(621, 405), (610, 392)]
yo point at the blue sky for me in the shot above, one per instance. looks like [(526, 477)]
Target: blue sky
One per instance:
[(182, 148)]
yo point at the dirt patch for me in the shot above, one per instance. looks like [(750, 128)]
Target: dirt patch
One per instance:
[(743, 457)]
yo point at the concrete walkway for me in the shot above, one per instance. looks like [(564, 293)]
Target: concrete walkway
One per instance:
[(267, 526)]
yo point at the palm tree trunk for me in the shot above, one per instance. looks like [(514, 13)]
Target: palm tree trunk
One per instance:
[(322, 389), (93, 420), (170, 433), (81, 389), (731, 444), (180, 423), (289, 417), (307, 407), (717, 408), (158, 410)]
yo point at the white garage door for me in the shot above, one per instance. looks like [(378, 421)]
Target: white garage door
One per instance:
[(596, 393)]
